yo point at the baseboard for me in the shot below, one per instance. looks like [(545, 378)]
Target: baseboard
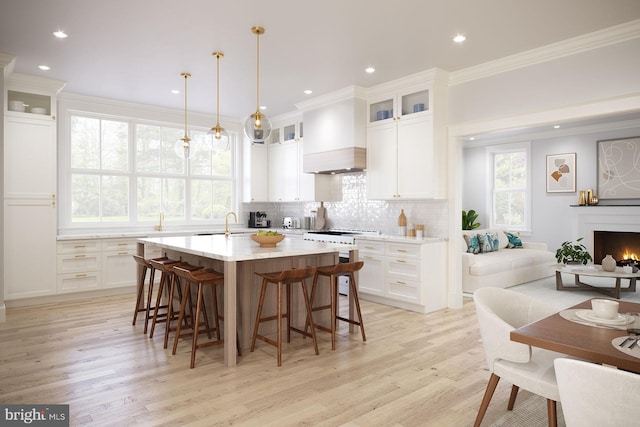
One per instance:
[(3, 314)]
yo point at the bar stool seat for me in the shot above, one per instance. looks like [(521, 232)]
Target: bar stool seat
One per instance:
[(284, 279), (202, 277), (333, 272), (143, 305)]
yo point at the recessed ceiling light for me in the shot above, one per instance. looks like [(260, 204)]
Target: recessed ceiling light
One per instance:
[(308, 92), (175, 91), (556, 127), (473, 138), (263, 107), (60, 34), (44, 67), (459, 38), (370, 70)]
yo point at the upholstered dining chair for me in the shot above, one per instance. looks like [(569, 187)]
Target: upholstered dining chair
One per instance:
[(499, 311), (597, 396)]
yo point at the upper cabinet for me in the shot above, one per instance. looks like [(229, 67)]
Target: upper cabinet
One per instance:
[(406, 138), (287, 128)]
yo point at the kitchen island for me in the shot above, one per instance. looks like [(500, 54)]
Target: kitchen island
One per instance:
[(239, 257)]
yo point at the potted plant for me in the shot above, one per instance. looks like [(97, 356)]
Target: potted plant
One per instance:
[(573, 253), (468, 220)]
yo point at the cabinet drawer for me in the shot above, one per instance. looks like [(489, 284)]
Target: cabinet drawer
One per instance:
[(370, 246), (119, 269), (77, 282), (119, 245), (403, 268), (78, 263), (78, 246), (403, 290), (403, 250)]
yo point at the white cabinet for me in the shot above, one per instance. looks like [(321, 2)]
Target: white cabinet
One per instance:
[(408, 274), (255, 178), (29, 192), (118, 267), (78, 265), (406, 142)]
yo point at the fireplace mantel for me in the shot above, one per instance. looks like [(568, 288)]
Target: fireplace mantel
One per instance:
[(605, 218)]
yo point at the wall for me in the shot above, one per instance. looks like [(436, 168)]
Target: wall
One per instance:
[(356, 212), (553, 220)]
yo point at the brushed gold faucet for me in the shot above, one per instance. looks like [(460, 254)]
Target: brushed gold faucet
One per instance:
[(159, 227), (226, 222)]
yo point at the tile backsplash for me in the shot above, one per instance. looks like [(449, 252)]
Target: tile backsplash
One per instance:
[(354, 211)]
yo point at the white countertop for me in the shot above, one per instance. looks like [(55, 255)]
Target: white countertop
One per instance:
[(241, 247), (401, 239)]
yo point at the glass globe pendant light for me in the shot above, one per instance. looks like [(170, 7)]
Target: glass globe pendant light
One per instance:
[(183, 148), (258, 126), (218, 132)]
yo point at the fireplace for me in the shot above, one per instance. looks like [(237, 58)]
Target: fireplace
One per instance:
[(624, 246)]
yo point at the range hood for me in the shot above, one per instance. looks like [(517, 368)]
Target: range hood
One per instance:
[(335, 132)]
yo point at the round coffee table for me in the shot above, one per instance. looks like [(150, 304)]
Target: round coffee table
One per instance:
[(595, 271)]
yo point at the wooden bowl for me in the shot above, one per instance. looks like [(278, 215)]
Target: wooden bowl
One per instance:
[(267, 241)]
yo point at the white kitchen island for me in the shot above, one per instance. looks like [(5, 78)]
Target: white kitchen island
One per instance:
[(239, 257)]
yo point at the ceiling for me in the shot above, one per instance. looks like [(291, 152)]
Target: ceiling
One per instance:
[(135, 50)]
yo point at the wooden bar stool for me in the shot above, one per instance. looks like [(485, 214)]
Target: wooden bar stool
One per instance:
[(202, 277), (284, 278), (333, 272), (141, 305)]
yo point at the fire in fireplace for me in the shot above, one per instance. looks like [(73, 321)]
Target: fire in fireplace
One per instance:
[(624, 246)]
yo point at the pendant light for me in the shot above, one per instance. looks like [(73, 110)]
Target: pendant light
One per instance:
[(183, 148), (218, 131), (258, 126)]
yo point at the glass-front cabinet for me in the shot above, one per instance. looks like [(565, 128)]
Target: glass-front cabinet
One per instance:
[(287, 128), (30, 103), (395, 105)]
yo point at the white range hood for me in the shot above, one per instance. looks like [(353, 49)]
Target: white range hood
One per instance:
[(335, 132)]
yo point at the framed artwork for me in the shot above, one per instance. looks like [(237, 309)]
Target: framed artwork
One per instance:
[(561, 173), (619, 168)]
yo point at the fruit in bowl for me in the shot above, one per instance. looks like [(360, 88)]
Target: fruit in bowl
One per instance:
[(267, 239)]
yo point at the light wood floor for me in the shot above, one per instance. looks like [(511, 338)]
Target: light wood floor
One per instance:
[(414, 370)]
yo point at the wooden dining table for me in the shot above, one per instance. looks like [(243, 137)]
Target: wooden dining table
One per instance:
[(580, 340)]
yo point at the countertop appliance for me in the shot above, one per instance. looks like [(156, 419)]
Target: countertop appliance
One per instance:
[(344, 236), (258, 219), (290, 222)]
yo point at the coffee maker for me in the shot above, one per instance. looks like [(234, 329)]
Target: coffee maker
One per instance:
[(258, 219)]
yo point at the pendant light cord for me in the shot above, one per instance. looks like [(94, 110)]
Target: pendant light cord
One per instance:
[(258, 72)]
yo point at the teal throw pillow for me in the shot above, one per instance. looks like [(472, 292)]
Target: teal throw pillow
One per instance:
[(488, 242), (473, 245), (514, 240)]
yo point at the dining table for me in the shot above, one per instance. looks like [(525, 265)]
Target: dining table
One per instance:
[(580, 339), (239, 258)]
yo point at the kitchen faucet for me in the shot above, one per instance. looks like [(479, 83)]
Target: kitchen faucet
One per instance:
[(226, 222), (159, 227)]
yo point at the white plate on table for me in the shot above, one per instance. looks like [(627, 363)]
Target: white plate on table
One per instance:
[(589, 316)]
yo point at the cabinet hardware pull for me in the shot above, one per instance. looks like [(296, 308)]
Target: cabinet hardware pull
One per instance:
[(122, 244), (367, 257), (402, 250), (79, 246), (80, 256), (123, 253), (401, 283), (81, 275), (401, 261)]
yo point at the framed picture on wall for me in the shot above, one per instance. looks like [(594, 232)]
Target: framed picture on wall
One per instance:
[(561, 173), (619, 168)]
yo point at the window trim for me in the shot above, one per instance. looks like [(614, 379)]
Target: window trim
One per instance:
[(491, 151)]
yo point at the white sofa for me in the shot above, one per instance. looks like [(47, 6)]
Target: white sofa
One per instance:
[(506, 266)]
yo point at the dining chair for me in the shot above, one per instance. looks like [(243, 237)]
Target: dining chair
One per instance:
[(499, 311), (597, 396)]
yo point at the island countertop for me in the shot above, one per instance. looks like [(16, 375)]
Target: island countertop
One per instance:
[(241, 247)]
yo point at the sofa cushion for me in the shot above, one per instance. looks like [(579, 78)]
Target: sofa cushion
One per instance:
[(505, 260), (473, 245)]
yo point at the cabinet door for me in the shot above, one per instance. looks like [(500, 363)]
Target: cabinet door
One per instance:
[(307, 183), (275, 173), (30, 248), (382, 161), (29, 158), (255, 174), (290, 172), (415, 158), (119, 269), (371, 277)]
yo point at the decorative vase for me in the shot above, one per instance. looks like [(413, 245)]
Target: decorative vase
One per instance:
[(402, 223), (582, 199), (608, 263)]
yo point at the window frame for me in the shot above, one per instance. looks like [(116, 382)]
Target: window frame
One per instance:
[(133, 116), (491, 151)]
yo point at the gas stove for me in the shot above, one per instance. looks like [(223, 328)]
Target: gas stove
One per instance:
[(335, 235)]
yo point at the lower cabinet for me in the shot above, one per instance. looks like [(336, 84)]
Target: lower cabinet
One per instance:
[(407, 273)]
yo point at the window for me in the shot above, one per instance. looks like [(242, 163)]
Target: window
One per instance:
[(125, 172), (510, 194)]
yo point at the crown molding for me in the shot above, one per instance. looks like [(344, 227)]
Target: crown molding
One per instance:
[(572, 46), (7, 62), (28, 82), (343, 94)]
